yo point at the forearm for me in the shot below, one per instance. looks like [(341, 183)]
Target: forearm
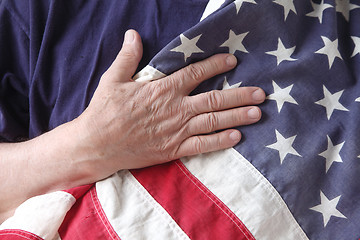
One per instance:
[(47, 163), (129, 125)]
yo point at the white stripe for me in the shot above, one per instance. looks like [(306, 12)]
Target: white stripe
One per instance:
[(244, 189), (148, 73), (41, 215), (133, 212), (247, 193)]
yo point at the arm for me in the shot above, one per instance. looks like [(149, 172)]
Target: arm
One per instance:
[(129, 125), (38, 166)]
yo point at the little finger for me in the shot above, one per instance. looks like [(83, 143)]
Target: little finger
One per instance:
[(208, 143)]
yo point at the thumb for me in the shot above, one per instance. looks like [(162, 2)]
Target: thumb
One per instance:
[(127, 60)]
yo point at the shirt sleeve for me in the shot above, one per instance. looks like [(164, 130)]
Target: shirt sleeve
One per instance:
[(14, 76)]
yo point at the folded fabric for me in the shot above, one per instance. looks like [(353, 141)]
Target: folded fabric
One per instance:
[(296, 173)]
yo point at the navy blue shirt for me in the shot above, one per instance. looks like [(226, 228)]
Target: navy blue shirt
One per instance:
[(53, 53)]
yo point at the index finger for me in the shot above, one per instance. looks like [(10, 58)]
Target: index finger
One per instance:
[(188, 78)]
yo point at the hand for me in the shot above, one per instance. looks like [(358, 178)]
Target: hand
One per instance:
[(132, 125), (129, 125)]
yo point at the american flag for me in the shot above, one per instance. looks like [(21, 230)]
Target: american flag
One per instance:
[(306, 56), (295, 175)]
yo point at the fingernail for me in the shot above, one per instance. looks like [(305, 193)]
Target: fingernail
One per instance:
[(258, 95), (129, 37), (235, 136), (253, 113), (231, 60)]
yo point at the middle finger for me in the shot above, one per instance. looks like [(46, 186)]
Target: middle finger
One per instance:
[(225, 99)]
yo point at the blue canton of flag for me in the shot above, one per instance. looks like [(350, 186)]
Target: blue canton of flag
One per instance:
[(306, 56)]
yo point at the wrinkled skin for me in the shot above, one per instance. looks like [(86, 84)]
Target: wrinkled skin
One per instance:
[(133, 124), (129, 125)]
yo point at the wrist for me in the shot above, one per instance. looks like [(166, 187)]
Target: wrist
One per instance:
[(79, 153), (59, 158), (86, 152)]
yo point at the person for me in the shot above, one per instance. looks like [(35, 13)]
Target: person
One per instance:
[(128, 125)]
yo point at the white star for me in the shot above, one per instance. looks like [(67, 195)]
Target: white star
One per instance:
[(226, 85), (282, 53), (357, 45), (318, 10), (358, 99), (211, 7), (330, 50), (188, 46), (288, 5), (332, 153), (344, 7), (331, 102), (284, 146), (239, 3), (281, 95), (234, 42), (328, 208)]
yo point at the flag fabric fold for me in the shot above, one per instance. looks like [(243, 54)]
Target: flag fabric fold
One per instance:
[(295, 174), (305, 56)]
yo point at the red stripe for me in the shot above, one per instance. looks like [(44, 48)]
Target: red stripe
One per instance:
[(86, 219), (195, 208), (18, 235), (79, 192)]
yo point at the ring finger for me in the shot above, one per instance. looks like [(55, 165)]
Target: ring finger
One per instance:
[(213, 121)]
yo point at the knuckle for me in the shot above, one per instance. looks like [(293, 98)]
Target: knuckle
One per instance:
[(196, 71), (175, 85), (215, 99), (186, 106), (156, 91), (211, 122), (189, 107), (241, 97), (199, 144), (240, 116), (187, 130)]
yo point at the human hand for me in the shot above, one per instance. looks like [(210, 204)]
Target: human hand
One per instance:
[(135, 124)]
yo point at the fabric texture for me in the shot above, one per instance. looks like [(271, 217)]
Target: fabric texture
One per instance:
[(53, 53), (293, 176)]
